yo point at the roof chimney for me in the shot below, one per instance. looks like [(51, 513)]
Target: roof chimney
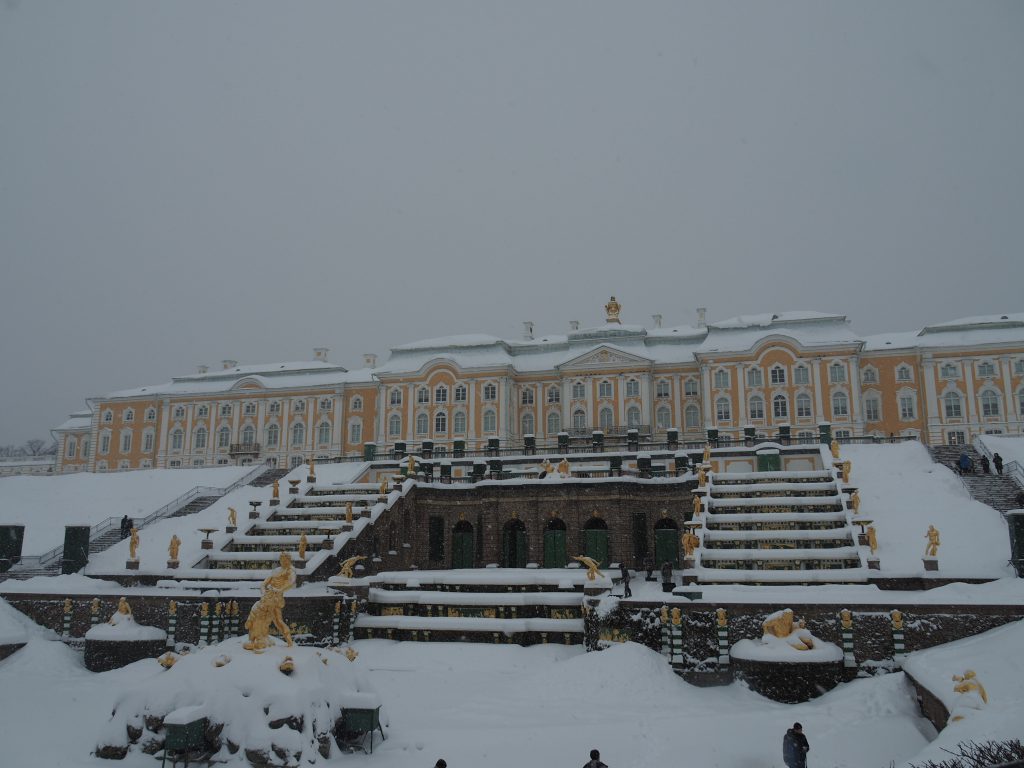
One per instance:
[(528, 330), (203, 368), (702, 313), (657, 320), (320, 353), (574, 325), (370, 360), (228, 364)]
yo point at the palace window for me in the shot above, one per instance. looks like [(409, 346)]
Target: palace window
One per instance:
[(872, 409), (490, 421), (903, 373), (441, 394), (274, 408), (663, 418), (326, 404), (249, 435), (869, 376), (459, 423), (85, 449), (1018, 367), (441, 423), (356, 403), (151, 414), (754, 378), (422, 424), (490, 391), (780, 407), (203, 411), (579, 391), (199, 439), (225, 410), (604, 389), (721, 379), (690, 388), (249, 409), (526, 397), (579, 419), (128, 415), (778, 374), (986, 369), (395, 396), (126, 442), (460, 393), (298, 433), (632, 417), (273, 436), (692, 417), (953, 405), (801, 375), (836, 373), (757, 407), (632, 388), (723, 409), (1020, 410), (223, 437), (395, 425), (177, 441), (949, 371), (355, 432), (554, 422), (147, 441), (908, 407), (840, 405), (108, 416), (323, 434), (989, 403), (423, 396), (803, 406), (662, 389), (299, 406), (605, 418), (554, 395), (526, 423), (179, 412)]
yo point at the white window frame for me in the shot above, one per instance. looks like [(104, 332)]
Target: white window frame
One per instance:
[(777, 411), (323, 430), (663, 388), (953, 405), (722, 379), (872, 408), (273, 435), (440, 423), (490, 392), (801, 398), (756, 408), (394, 425), (554, 422), (904, 373), (554, 395), (723, 410), (422, 423), (526, 396), (298, 434), (691, 416), (755, 377), (840, 402), (579, 390), (691, 388), (459, 423), (604, 389), (460, 393), (224, 437), (490, 420), (836, 373), (395, 396), (440, 394), (777, 375), (632, 388), (990, 405), (801, 375)]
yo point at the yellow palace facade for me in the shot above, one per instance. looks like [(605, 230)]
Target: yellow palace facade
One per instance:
[(766, 375)]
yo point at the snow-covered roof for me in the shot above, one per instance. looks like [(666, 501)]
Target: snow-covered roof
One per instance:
[(76, 421), (967, 331)]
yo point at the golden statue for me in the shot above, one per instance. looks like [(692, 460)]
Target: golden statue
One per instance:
[(563, 467), (721, 617), (835, 448), (232, 517), (707, 453), (855, 501), (94, 606), (173, 547), (847, 466), (277, 489), (664, 614), (897, 619), (547, 467), (348, 565), (204, 609), (932, 549), (312, 467), (702, 477), (351, 653), (122, 608), (690, 543), (303, 543), (172, 608), (872, 539), (67, 605), (133, 544), (785, 628), (696, 506), (846, 618), (612, 309), (968, 682), (592, 566), (410, 466), (677, 616), (383, 490), (268, 609), (348, 512)]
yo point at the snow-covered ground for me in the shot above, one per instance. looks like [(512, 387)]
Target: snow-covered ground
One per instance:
[(44, 505)]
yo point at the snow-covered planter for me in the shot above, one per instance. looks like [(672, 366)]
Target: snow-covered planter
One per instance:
[(120, 642), (257, 707)]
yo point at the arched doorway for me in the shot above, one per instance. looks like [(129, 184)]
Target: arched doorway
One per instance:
[(513, 544), (554, 544), (463, 555), (595, 540), (666, 542)]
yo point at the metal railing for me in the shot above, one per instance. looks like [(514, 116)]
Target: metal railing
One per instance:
[(166, 510), (244, 448), (1011, 469)]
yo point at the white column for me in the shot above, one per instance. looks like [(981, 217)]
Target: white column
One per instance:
[(472, 429), (646, 398), (705, 380), (857, 408), (971, 395), (931, 401), (165, 426), (819, 410), (741, 389), (189, 446), (286, 444), (337, 417), (1009, 412)]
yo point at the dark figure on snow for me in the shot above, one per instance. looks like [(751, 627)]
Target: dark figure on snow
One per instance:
[(649, 567), (595, 760), (667, 580), (964, 464), (440, 764), (998, 461), (984, 465), (126, 527), (795, 747), (1020, 499), (627, 592)]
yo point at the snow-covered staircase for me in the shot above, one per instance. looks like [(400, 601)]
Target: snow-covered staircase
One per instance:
[(998, 491), (269, 477), (491, 605), (196, 505)]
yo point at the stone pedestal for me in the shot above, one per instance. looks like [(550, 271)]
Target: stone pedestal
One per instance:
[(172, 563), (294, 489), (274, 502), (230, 529), (862, 539), (104, 655), (254, 515), (689, 563), (930, 563), (327, 544), (207, 544), (299, 563), (873, 564), (310, 478), (132, 565)]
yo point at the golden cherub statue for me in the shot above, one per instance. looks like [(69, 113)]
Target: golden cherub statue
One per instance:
[(696, 506), (411, 465), (232, 517), (855, 501), (932, 548), (277, 489), (383, 490), (348, 512), (846, 618), (133, 544), (847, 467), (707, 453), (702, 477), (720, 617), (268, 609), (834, 445), (173, 547), (563, 467), (612, 309), (872, 539), (547, 466), (122, 608), (897, 619), (348, 565), (664, 614), (592, 566), (690, 542), (303, 544)]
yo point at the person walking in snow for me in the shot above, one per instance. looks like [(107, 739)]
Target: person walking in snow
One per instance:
[(795, 747), (440, 764), (998, 461), (964, 463), (668, 582), (126, 527), (595, 760), (627, 592), (984, 465)]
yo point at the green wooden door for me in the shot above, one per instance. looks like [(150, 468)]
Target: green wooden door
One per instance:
[(513, 548), (666, 547), (596, 543), (554, 549), (769, 462), (462, 549)]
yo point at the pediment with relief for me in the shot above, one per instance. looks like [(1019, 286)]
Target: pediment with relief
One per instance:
[(603, 357)]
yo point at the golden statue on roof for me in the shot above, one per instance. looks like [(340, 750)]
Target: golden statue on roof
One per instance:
[(612, 309)]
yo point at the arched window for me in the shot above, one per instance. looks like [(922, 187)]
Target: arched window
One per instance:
[(126, 442), (903, 373), (105, 441), (756, 407), (723, 409), (441, 423), (203, 411), (223, 437), (579, 419), (840, 404), (780, 407), (394, 425), (128, 415), (273, 436), (606, 419), (989, 403), (869, 376), (179, 413), (150, 414), (554, 422), (177, 440), (323, 436), (953, 405), (274, 408), (148, 439), (71, 448), (248, 435), (803, 406), (527, 423), (85, 449), (422, 424), (692, 416), (632, 417), (298, 433), (872, 408), (721, 379), (459, 423), (490, 421), (664, 418), (199, 439), (579, 390)]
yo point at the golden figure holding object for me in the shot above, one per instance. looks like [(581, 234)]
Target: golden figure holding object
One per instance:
[(677, 616), (720, 617), (383, 490), (268, 609), (348, 512), (872, 539), (303, 543), (232, 517), (834, 445), (133, 544), (348, 565), (690, 542), (702, 477), (277, 489), (847, 467), (932, 549), (855, 501), (411, 466), (592, 566), (696, 506), (173, 547), (707, 453)]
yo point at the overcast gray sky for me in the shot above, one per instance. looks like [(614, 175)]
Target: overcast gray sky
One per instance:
[(182, 182)]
